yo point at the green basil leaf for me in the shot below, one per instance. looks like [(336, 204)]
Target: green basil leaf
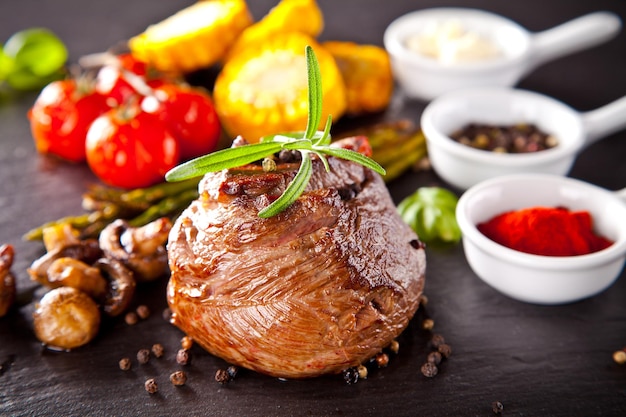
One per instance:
[(38, 57), (431, 213)]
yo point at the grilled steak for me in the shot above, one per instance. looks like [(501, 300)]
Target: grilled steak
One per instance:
[(316, 289)]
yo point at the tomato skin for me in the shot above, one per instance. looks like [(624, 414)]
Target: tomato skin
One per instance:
[(190, 115), (60, 117), (113, 83), (130, 151)]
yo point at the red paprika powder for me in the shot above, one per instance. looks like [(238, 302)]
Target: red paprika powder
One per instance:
[(545, 231)]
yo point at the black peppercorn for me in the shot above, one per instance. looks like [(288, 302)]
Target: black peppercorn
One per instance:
[(222, 376), (434, 358), (157, 350), (351, 376), (178, 378), (143, 312), (125, 364), (151, 386), (436, 340), (445, 350), (143, 356), (497, 407), (183, 357), (429, 370), (232, 371)]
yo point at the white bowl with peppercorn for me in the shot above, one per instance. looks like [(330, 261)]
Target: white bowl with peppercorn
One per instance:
[(558, 271), (442, 49), (464, 160)]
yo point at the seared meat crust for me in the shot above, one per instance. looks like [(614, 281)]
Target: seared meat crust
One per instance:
[(319, 288)]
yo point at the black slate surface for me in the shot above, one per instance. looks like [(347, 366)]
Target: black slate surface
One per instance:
[(535, 360)]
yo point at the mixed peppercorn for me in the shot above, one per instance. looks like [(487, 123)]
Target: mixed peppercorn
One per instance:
[(519, 138)]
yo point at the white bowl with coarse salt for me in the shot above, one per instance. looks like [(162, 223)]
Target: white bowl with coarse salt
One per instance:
[(437, 50)]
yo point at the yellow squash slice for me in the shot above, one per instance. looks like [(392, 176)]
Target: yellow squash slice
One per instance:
[(366, 70), (287, 16), (195, 37), (263, 88)]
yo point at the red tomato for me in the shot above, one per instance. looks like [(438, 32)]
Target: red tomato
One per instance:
[(130, 148), (60, 117), (113, 80), (189, 114)]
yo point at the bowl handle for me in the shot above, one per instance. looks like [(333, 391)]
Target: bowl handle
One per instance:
[(604, 121), (572, 36)]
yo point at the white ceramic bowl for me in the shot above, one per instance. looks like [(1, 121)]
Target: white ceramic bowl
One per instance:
[(542, 279), (463, 166), (425, 78)]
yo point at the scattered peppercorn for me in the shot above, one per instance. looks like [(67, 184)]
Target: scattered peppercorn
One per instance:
[(125, 364), (436, 340), (222, 376), (143, 312), (351, 376), (178, 378), (428, 324), (167, 314), (362, 370), (382, 360), (434, 358), (157, 350), (497, 407), (619, 356), (394, 346), (131, 318), (151, 386), (186, 342), (429, 369), (445, 350), (182, 357), (143, 356), (232, 371)]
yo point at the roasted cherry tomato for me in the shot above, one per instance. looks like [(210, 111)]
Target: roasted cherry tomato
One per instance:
[(60, 117), (129, 148), (113, 80), (190, 116)]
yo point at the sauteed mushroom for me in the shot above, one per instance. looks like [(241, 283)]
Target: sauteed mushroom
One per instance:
[(142, 249), (70, 272), (7, 280), (87, 251), (121, 285), (66, 318)]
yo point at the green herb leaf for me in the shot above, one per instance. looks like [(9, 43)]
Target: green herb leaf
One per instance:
[(293, 190), (353, 156), (307, 142), (315, 93), (33, 58), (223, 159), (431, 213)]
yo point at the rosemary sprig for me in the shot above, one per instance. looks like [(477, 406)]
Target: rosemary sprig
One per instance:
[(311, 141)]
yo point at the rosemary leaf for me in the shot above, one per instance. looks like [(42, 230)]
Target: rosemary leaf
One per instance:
[(353, 156), (293, 190), (223, 159), (315, 93)]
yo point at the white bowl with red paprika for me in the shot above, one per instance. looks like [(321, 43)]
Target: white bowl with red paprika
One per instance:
[(544, 239), (480, 133)]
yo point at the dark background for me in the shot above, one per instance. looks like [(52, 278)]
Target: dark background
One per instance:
[(535, 360)]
